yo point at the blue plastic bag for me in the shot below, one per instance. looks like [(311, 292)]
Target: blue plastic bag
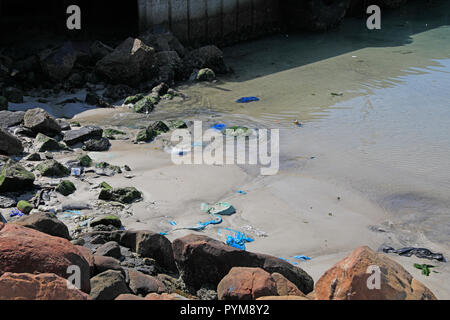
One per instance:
[(247, 99)]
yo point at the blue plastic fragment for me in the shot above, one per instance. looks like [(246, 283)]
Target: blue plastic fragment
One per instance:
[(238, 240), (173, 223), (16, 212), (242, 192), (219, 126), (301, 257), (247, 99)]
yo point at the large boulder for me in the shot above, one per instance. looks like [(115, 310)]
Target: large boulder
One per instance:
[(57, 64), (131, 62), (205, 261), (348, 279), (9, 144), (45, 222), (11, 118), (39, 120), (150, 245), (143, 284), (44, 286), (246, 284), (83, 134), (14, 177), (24, 250), (108, 285)]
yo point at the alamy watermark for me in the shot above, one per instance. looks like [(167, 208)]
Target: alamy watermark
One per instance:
[(374, 280), (237, 145)]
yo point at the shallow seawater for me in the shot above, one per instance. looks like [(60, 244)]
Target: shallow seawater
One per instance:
[(375, 109)]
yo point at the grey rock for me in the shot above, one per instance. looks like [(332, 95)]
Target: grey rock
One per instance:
[(57, 64), (109, 249), (9, 144), (40, 121), (108, 285), (131, 62), (11, 118), (150, 245), (101, 144), (83, 134), (45, 222)]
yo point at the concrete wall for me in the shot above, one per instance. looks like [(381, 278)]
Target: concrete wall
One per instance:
[(220, 21)]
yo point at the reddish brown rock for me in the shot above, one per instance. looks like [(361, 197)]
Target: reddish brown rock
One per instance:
[(285, 287), (127, 296), (102, 264), (205, 261), (44, 286), (88, 256), (283, 298), (24, 250), (347, 280), (164, 296), (246, 284), (144, 284)]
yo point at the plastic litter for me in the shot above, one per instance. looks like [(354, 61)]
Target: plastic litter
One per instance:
[(73, 211), (222, 208), (76, 172), (234, 238), (16, 212), (173, 223), (424, 267), (301, 257), (247, 99), (218, 126), (242, 192), (418, 252)]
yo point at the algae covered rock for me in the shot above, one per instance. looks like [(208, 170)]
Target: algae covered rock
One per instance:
[(112, 133), (66, 187), (52, 168), (85, 160), (24, 206), (122, 195), (152, 131), (14, 177), (206, 74), (44, 143), (145, 105), (134, 99)]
